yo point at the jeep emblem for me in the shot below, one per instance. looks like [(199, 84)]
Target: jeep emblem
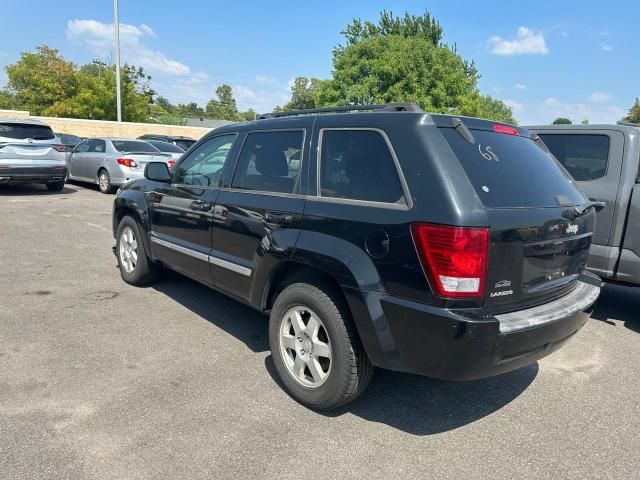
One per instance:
[(572, 228)]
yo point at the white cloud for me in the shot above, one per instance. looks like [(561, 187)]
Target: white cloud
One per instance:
[(520, 86), (544, 112), (599, 97), (605, 33), (266, 79), (99, 38), (564, 34), (527, 41), (606, 48), (516, 107), (260, 99)]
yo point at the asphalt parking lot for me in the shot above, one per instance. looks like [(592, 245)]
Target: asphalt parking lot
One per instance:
[(101, 380)]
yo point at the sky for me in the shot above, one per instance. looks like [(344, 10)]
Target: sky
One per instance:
[(571, 58)]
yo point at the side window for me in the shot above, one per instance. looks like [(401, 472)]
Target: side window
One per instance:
[(97, 146), (585, 157), (82, 147), (203, 166), (357, 165), (270, 161)]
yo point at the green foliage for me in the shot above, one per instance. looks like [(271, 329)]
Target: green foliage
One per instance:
[(485, 106), (249, 115), (44, 83), (399, 59), (40, 79), (585, 121), (634, 113), (303, 93), (398, 69), (224, 106), (190, 110), (164, 104), (562, 121), (424, 26)]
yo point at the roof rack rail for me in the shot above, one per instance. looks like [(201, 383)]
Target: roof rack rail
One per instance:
[(389, 107), (629, 124)]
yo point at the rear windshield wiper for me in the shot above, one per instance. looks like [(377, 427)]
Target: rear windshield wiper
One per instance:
[(579, 210), (463, 130)]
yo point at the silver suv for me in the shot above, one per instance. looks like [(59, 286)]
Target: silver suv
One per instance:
[(31, 153)]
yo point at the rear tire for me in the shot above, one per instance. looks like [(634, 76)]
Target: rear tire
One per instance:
[(136, 268), (315, 347), (104, 182), (56, 186)]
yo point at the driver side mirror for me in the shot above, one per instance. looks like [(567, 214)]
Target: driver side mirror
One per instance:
[(157, 171)]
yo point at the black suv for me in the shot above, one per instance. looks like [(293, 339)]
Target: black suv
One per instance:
[(184, 143), (445, 246)]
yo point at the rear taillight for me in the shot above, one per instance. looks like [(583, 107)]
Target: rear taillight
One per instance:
[(127, 162), (171, 163), (454, 258), (506, 129), (60, 148)]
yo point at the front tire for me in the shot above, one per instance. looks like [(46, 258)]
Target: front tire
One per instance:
[(104, 182), (315, 347), (136, 268)]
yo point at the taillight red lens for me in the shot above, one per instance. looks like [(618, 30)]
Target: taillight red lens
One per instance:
[(505, 129), (60, 148), (171, 163), (454, 258), (127, 162)]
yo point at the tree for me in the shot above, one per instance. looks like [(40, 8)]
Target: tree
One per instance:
[(388, 69), (40, 79), (164, 104), (585, 121), (303, 93), (224, 106), (634, 113), (562, 121), (403, 60), (249, 115)]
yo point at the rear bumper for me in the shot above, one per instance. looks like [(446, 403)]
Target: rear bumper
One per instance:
[(454, 345), (120, 176), (40, 174)]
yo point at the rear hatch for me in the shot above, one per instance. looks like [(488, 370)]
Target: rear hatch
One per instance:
[(28, 145), (539, 241)]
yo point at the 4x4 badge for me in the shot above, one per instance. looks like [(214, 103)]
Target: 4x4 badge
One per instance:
[(503, 284)]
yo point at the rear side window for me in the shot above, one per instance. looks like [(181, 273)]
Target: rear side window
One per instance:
[(512, 171), (584, 156), (185, 144), (358, 165), (97, 146), (133, 146), (270, 161), (22, 131)]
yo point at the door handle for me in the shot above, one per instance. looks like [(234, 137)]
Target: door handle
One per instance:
[(200, 205), (279, 218)]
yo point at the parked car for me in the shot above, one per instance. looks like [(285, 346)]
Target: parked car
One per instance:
[(443, 246), (604, 161), (166, 147), (68, 140), (31, 153), (111, 162), (184, 143)]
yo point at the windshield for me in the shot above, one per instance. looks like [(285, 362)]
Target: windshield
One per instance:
[(134, 146), (512, 171), (166, 147), (184, 144), (23, 131)]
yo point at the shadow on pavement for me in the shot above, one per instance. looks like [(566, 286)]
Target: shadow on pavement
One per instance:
[(33, 189), (618, 302), (426, 406), (244, 323), (414, 404)]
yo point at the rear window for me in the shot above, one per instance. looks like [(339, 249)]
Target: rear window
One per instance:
[(166, 147), (584, 156), (22, 131), (512, 171), (184, 144), (132, 146)]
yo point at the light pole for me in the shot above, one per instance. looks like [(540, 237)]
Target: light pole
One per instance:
[(116, 24)]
